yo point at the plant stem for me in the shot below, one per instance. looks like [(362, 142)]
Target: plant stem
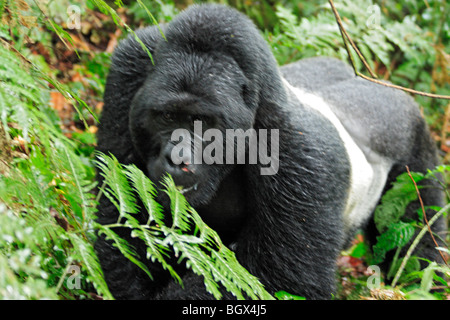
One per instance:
[(416, 242), (424, 213)]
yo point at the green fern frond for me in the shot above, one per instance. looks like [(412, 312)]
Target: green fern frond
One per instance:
[(81, 186), (396, 236), (84, 251), (146, 191), (178, 205), (395, 200), (196, 259), (202, 250), (156, 249), (123, 246), (117, 188), (227, 265)]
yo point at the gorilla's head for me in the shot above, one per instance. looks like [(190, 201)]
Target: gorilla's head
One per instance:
[(212, 68), (184, 88)]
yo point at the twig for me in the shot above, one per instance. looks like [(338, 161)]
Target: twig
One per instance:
[(420, 93), (416, 242), (100, 192), (425, 215), (345, 37), (344, 33), (19, 54), (63, 276)]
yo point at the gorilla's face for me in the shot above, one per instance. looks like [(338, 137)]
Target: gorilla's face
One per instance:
[(191, 94)]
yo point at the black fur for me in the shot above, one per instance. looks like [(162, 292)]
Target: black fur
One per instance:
[(286, 228)]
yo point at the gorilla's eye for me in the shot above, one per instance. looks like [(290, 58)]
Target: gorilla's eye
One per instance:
[(168, 116)]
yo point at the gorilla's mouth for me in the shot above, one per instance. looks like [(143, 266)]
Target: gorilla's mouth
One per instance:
[(194, 187)]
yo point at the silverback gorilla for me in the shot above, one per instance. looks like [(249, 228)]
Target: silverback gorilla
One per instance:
[(342, 141)]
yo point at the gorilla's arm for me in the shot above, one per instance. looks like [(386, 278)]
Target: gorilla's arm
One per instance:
[(295, 229)]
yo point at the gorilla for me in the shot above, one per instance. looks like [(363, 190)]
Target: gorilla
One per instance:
[(341, 141)]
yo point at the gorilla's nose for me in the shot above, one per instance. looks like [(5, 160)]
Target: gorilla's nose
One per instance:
[(175, 158)]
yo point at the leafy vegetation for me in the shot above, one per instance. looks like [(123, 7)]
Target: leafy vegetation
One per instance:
[(54, 58), (203, 250)]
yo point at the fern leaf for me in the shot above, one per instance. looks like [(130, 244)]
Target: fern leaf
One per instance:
[(82, 196), (146, 191), (178, 205), (225, 261), (396, 236), (156, 249), (201, 251), (395, 200), (195, 260), (123, 246), (117, 188), (84, 251)]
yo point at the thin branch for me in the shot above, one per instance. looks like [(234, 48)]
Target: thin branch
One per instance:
[(344, 33), (420, 93), (63, 276), (346, 37), (425, 215), (19, 54)]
